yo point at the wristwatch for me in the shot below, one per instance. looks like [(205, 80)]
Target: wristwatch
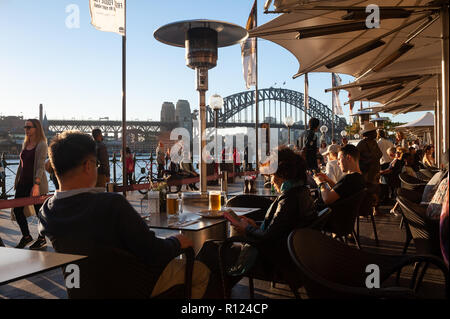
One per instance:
[(37, 183)]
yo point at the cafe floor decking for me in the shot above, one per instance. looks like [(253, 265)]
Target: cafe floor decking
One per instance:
[(50, 285)]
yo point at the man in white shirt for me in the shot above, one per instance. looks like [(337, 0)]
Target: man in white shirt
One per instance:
[(333, 171), (384, 144)]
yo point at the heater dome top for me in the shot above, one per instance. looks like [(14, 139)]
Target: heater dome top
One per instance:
[(175, 33)]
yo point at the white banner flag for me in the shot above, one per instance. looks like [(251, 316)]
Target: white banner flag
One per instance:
[(336, 81), (248, 52), (108, 15)]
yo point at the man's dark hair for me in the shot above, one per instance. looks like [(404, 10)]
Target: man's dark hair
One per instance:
[(313, 123), (351, 150), (96, 132), (291, 165), (381, 133), (69, 149)]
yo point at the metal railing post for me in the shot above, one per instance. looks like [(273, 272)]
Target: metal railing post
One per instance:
[(114, 160), (3, 177)]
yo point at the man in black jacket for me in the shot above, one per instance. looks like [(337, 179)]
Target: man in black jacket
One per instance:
[(79, 218)]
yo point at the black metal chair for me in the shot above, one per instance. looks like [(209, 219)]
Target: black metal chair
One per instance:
[(111, 273), (423, 230), (411, 183), (428, 172), (344, 213), (277, 275), (334, 270), (366, 210), (1, 243)]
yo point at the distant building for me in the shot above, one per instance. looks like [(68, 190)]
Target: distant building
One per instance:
[(168, 112), (183, 115)]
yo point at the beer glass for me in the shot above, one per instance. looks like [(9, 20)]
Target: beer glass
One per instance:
[(172, 205), (214, 200)]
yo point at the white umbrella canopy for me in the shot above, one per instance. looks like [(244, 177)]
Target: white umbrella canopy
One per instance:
[(414, 94), (420, 32), (425, 56), (427, 120)]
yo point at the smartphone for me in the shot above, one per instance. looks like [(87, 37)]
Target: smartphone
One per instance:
[(231, 216)]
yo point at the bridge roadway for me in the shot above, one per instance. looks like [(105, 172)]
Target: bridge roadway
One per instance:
[(144, 127)]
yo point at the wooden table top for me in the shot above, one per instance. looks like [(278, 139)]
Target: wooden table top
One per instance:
[(16, 264)]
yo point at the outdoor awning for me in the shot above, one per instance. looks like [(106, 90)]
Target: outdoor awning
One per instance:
[(425, 56), (425, 121)]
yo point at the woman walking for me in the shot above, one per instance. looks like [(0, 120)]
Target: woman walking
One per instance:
[(30, 178)]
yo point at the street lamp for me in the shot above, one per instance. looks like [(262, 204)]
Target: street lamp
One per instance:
[(201, 38), (216, 103), (289, 121), (323, 129), (343, 133)]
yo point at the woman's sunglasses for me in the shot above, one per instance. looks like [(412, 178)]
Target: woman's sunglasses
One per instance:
[(28, 127)]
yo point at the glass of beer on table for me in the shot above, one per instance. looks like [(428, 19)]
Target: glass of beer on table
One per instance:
[(215, 200), (172, 205)]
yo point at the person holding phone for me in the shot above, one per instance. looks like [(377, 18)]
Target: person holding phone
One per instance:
[(292, 209)]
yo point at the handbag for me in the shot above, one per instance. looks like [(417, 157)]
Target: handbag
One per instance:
[(28, 211)]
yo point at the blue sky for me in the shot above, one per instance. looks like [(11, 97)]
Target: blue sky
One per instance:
[(76, 73)]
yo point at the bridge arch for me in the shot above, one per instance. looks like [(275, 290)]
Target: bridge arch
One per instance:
[(238, 102)]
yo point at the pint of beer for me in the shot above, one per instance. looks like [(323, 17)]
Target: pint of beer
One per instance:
[(172, 205), (214, 200)]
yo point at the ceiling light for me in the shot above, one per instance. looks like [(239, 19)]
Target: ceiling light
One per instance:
[(360, 13), (394, 56), (367, 47), (327, 29)]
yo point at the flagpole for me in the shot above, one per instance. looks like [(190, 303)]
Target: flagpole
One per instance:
[(124, 100), (306, 103), (333, 96), (256, 91)]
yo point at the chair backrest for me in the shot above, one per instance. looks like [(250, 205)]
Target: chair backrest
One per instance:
[(110, 273), (332, 269), (425, 231), (410, 182), (344, 212), (252, 201)]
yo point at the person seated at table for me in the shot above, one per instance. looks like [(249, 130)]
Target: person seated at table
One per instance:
[(349, 184), (82, 216), (428, 157), (293, 208), (408, 167), (390, 175), (332, 170)]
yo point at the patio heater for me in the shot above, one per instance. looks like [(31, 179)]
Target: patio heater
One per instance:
[(216, 103), (201, 38), (379, 122), (363, 116), (289, 121), (324, 130)]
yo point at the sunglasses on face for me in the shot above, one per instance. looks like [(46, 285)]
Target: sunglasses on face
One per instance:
[(28, 127)]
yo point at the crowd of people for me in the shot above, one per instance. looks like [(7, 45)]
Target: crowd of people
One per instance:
[(79, 163)]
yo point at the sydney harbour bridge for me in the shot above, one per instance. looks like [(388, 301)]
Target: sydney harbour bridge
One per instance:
[(275, 104)]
